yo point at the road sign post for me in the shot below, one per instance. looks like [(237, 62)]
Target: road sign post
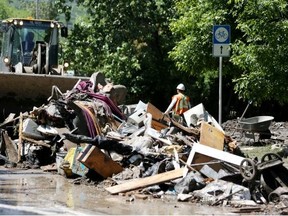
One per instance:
[(221, 48)]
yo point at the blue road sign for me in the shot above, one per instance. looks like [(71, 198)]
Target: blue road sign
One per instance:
[(221, 34)]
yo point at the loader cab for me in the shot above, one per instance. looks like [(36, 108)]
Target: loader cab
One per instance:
[(31, 46)]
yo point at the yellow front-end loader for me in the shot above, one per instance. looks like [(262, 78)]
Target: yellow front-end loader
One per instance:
[(32, 61)]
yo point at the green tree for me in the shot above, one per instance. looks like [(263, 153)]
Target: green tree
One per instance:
[(4, 10), (192, 53), (261, 51), (36, 9), (8, 9), (128, 41), (257, 65)]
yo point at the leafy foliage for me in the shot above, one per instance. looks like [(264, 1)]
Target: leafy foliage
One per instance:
[(8, 10), (128, 41), (38, 9), (192, 53), (3, 10), (44, 9), (151, 46), (261, 52), (257, 65)]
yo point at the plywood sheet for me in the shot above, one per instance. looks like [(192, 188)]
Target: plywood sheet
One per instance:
[(212, 137), (159, 121)]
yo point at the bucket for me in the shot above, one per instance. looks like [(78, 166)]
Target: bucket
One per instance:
[(59, 159)]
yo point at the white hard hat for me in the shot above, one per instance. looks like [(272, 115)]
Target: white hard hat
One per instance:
[(181, 87)]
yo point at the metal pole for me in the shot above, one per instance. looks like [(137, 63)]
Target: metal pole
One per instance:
[(37, 1), (220, 91)]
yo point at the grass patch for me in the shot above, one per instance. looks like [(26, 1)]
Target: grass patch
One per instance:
[(259, 151)]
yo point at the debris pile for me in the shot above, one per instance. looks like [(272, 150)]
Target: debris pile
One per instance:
[(88, 133)]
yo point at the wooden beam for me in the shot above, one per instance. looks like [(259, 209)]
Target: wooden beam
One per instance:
[(157, 115), (144, 182), (159, 120), (36, 142), (190, 130)]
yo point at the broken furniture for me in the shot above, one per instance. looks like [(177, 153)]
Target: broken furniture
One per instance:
[(269, 173), (249, 169), (273, 178), (94, 158), (210, 147), (213, 153)]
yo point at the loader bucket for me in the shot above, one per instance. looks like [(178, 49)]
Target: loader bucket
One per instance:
[(18, 91)]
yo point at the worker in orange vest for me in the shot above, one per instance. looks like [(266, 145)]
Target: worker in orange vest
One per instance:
[(180, 102)]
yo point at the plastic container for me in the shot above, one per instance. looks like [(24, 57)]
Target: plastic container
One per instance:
[(137, 118), (59, 159)]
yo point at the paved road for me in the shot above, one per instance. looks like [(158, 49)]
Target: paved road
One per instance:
[(34, 192)]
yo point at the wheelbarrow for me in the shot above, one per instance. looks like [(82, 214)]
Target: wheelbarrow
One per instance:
[(257, 124)]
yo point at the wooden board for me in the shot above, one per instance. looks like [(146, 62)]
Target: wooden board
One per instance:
[(158, 125), (156, 113), (159, 121), (20, 144), (93, 158), (144, 182), (190, 130), (211, 136)]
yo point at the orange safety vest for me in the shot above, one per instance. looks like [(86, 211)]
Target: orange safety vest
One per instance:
[(182, 104)]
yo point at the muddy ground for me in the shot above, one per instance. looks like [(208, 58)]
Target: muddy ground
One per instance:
[(34, 192)]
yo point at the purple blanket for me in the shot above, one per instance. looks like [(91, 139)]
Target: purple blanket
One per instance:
[(85, 86)]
